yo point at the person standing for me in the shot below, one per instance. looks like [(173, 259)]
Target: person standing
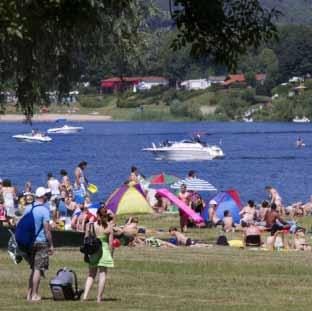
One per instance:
[(54, 186), (185, 197), (100, 261), (276, 199), (43, 245), (9, 197), (65, 181), (80, 179)]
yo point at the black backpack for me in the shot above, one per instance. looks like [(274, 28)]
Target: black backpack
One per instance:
[(222, 240)]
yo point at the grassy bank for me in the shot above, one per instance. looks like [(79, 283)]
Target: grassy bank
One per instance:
[(165, 104), (218, 278), (156, 104)]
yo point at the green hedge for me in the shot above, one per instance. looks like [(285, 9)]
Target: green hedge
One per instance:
[(92, 101)]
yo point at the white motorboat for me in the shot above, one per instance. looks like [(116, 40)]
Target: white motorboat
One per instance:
[(33, 137), (186, 150), (248, 120), (301, 120), (66, 129)]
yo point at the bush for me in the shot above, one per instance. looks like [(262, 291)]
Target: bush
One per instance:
[(91, 101), (169, 96), (248, 95), (282, 90), (186, 109), (178, 108), (127, 103), (88, 90), (151, 115), (261, 99)]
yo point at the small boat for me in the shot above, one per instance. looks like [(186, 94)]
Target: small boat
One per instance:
[(186, 150), (248, 120), (33, 137), (301, 120), (66, 129)]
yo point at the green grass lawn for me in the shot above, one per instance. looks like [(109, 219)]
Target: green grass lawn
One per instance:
[(217, 278)]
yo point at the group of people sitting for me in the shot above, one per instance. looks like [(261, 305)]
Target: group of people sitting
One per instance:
[(62, 201), (255, 222)]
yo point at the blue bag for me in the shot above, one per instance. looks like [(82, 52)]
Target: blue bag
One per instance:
[(25, 232)]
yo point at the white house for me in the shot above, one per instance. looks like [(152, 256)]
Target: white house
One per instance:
[(216, 79), (295, 79), (146, 83), (199, 84)]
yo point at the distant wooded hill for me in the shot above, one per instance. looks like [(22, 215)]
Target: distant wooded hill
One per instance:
[(294, 11)]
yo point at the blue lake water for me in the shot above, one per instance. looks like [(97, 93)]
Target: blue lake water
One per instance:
[(257, 154)]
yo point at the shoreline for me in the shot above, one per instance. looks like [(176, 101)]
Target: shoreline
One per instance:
[(51, 117)]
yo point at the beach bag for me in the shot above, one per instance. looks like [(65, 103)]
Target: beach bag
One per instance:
[(91, 243), (25, 232), (13, 249), (65, 285), (222, 240)]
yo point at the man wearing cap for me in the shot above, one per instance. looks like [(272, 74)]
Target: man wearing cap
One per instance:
[(43, 246), (213, 218)]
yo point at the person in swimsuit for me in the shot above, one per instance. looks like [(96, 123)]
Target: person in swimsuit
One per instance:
[(276, 199), (80, 179), (248, 213), (103, 259), (299, 142), (9, 196), (185, 197), (274, 221), (162, 204), (212, 213), (228, 222), (65, 181), (184, 240)]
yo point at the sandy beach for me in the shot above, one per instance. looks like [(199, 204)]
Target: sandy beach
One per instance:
[(50, 117)]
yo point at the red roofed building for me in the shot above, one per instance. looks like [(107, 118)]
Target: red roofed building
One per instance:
[(116, 83), (235, 80)]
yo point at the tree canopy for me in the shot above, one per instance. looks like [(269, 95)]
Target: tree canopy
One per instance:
[(44, 43)]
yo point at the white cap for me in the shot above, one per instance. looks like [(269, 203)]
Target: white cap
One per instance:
[(213, 202), (41, 191)]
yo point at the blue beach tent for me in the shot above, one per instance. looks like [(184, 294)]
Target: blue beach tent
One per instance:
[(226, 201)]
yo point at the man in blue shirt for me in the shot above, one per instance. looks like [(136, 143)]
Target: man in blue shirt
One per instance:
[(43, 246)]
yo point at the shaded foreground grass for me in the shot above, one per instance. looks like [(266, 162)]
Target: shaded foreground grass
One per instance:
[(176, 279)]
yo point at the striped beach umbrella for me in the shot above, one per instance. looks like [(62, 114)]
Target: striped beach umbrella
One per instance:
[(163, 179), (194, 184)]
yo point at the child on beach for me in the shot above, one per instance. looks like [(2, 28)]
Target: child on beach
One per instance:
[(228, 223), (184, 240), (300, 242)]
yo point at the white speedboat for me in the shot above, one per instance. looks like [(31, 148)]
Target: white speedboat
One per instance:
[(33, 137), (66, 129), (248, 120), (186, 150), (301, 120)]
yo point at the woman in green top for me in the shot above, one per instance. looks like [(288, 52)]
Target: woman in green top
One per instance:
[(102, 259)]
